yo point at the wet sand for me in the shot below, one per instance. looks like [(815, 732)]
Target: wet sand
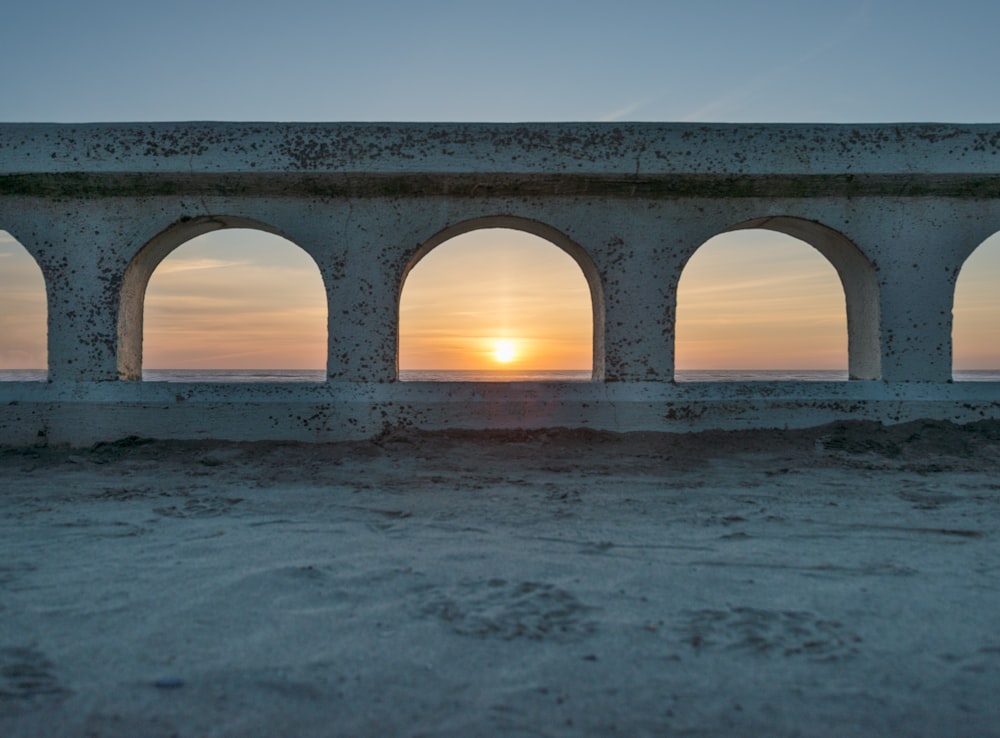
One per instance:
[(837, 581)]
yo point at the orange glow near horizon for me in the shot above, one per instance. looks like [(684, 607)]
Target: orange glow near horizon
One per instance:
[(976, 313), (235, 299), (757, 299), (23, 312), (496, 298)]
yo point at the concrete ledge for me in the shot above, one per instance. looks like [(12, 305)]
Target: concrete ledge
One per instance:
[(86, 413), (543, 148)]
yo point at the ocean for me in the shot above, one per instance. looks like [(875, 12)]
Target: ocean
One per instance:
[(500, 375)]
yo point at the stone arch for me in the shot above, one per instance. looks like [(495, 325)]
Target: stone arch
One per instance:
[(21, 276), (857, 278), (536, 228), (974, 285), (141, 268)]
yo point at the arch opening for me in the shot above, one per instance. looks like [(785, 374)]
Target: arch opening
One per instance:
[(500, 299), (777, 299), (23, 314), (226, 300), (975, 336)]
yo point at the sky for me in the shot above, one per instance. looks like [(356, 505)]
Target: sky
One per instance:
[(493, 298), (712, 61), (214, 306)]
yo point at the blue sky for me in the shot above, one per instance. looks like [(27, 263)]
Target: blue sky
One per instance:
[(711, 60)]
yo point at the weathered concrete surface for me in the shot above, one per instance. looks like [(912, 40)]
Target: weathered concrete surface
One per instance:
[(895, 209), (473, 148), (87, 413)]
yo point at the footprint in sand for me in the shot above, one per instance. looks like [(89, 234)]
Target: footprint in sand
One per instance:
[(781, 632), (496, 608), (25, 674), (200, 507)]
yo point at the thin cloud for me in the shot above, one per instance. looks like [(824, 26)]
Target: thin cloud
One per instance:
[(190, 265), (803, 282), (624, 112), (733, 99)]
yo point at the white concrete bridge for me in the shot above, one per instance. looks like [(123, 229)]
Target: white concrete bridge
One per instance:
[(896, 209)]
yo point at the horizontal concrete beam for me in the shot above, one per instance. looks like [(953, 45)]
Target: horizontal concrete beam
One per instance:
[(40, 413), (632, 149)]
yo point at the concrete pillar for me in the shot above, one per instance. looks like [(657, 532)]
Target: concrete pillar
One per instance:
[(637, 250), (76, 249), (361, 268), (918, 246)]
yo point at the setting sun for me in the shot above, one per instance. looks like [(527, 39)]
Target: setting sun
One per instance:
[(496, 299), (504, 351)]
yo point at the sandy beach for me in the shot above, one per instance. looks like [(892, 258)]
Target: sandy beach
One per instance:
[(835, 581)]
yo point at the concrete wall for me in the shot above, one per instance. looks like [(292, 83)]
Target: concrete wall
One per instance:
[(895, 209)]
